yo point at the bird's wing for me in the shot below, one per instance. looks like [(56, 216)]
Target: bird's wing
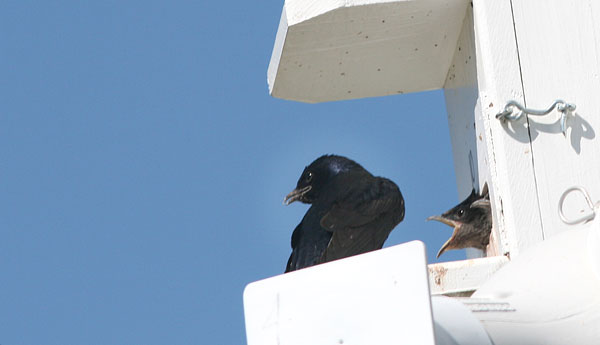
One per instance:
[(296, 235), (362, 205), (309, 241), (363, 219), (290, 264)]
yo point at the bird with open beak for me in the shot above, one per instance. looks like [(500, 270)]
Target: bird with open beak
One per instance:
[(471, 220)]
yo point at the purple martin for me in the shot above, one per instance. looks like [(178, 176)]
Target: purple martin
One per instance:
[(471, 220), (351, 212)]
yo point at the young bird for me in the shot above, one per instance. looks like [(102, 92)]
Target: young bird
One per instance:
[(352, 212), (471, 220)]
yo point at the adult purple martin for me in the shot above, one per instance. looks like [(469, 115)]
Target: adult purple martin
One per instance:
[(352, 212), (471, 220)]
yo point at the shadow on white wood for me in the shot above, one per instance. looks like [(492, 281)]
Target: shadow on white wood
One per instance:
[(559, 58)]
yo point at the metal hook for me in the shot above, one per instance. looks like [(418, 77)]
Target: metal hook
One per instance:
[(562, 106), (588, 200)]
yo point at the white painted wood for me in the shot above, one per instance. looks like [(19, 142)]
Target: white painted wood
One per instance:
[(559, 58), (460, 90), (511, 172), (465, 122), (549, 294), (454, 277), (455, 323), (528, 167), (277, 49), (330, 50), (381, 297)]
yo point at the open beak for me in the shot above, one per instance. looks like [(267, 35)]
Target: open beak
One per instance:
[(296, 194), (456, 225), (446, 221)]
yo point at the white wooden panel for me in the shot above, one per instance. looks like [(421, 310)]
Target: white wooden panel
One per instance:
[(381, 297), (344, 49), (277, 48), (455, 324), (465, 123), (460, 90), (559, 54), (512, 180), (549, 293), (462, 276)]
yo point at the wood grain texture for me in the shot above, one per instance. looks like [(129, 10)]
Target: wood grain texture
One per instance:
[(512, 179), (559, 58), (465, 122)]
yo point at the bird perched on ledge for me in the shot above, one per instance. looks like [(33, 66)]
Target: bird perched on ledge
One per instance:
[(352, 211), (471, 220)]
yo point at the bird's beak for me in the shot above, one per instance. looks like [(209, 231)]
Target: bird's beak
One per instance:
[(296, 194), (481, 203), (446, 221), (456, 225), (447, 246)]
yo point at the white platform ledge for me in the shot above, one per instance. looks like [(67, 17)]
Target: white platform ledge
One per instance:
[(461, 278), (329, 50), (381, 297)]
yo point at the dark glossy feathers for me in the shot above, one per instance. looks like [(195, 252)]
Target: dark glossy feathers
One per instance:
[(352, 212)]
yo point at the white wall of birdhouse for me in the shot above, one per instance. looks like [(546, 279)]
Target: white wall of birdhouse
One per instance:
[(484, 54), (536, 52)]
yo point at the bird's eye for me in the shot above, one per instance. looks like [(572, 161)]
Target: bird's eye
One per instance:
[(461, 212), (309, 177)]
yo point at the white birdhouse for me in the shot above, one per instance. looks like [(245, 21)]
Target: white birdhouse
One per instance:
[(484, 54)]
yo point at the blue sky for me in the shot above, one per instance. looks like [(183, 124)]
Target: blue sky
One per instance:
[(143, 166)]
